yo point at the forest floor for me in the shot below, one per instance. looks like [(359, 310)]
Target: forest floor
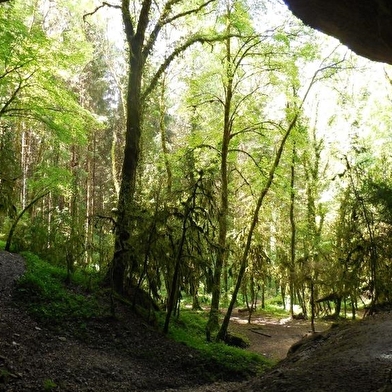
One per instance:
[(128, 355)]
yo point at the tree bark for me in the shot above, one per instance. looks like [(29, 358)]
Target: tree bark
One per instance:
[(123, 253)]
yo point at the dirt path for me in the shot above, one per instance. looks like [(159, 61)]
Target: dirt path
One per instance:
[(352, 357), (272, 337), (11, 267)]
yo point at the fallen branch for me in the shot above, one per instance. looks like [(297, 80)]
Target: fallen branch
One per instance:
[(260, 333)]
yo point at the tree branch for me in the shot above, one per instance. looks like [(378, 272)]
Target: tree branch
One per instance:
[(250, 156), (127, 20), (12, 97), (191, 11), (161, 22), (254, 128), (176, 52), (143, 21), (104, 4), (164, 20)]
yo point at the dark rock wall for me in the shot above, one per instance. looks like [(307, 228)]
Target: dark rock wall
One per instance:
[(365, 26)]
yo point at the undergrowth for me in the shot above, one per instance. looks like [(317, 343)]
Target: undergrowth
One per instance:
[(43, 289), (189, 329), (45, 293)]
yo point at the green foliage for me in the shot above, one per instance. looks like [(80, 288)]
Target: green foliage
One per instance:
[(274, 308), (4, 376), (381, 196), (49, 385), (190, 329), (35, 75), (43, 288)]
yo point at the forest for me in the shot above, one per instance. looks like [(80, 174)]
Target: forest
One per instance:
[(208, 153)]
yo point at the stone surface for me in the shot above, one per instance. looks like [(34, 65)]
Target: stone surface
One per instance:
[(365, 26)]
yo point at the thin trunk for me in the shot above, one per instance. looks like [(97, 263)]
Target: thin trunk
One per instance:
[(113, 155), (73, 249), (283, 294), (213, 321), (373, 247), (113, 160), (24, 164), (174, 291), (174, 286), (18, 218), (293, 233), (312, 306), (244, 261), (89, 190), (162, 128)]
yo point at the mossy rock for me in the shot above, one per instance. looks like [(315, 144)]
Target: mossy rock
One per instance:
[(237, 340)]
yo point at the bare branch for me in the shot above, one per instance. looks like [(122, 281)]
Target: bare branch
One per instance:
[(249, 156), (164, 20), (254, 128), (15, 68), (177, 51), (189, 12), (244, 179), (104, 4), (214, 99), (209, 146)]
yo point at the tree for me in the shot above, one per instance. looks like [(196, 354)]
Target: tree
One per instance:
[(293, 117), (141, 34), (46, 119)]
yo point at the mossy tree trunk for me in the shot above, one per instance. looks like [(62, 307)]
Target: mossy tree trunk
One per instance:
[(136, 61), (221, 257), (141, 35)]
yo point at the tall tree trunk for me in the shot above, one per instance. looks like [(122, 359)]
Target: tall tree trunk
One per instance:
[(312, 307), (293, 233), (213, 321), (140, 45), (122, 252)]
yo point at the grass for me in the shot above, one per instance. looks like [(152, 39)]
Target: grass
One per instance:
[(44, 291), (49, 385), (190, 330), (274, 310)]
